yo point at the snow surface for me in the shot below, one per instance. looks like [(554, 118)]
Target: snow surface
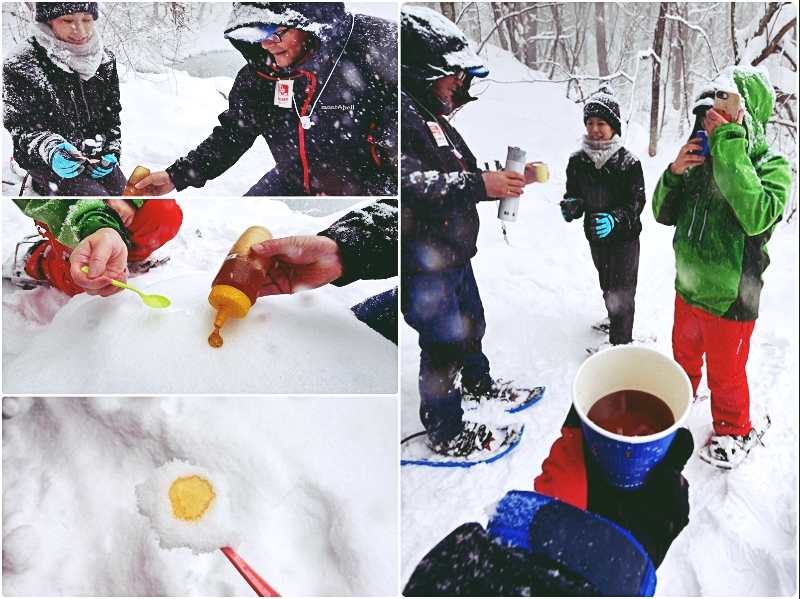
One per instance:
[(208, 532), (312, 484), (308, 342), (541, 296)]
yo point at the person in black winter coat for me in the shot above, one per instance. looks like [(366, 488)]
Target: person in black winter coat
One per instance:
[(320, 86), (441, 185), (360, 245), (61, 104), (605, 184)]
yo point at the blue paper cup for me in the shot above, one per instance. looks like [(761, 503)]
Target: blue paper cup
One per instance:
[(626, 461)]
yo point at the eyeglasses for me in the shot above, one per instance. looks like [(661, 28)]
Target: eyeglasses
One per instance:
[(277, 37), (461, 75)]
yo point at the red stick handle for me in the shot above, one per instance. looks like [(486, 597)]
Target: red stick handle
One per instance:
[(258, 584)]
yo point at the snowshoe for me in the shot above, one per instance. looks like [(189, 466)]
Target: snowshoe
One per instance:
[(513, 399), (604, 345), (139, 268), (604, 326), (729, 451), (476, 444), (14, 267)]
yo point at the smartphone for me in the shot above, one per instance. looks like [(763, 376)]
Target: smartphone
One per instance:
[(727, 104)]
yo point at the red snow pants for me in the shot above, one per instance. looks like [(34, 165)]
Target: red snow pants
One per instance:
[(726, 345), (154, 224)]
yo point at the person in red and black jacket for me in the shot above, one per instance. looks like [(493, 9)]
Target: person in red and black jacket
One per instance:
[(320, 86), (440, 186)]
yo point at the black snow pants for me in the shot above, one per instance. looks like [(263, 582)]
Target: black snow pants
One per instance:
[(618, 267), (47, 183)]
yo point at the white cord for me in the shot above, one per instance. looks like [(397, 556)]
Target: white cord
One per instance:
[(308, 116)]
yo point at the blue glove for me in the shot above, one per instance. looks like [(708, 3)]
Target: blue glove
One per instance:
[(102, 168), (66, 161), (571, 209), (602, 224)]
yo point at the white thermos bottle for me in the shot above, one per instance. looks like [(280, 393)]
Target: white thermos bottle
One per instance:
[(515, 161)]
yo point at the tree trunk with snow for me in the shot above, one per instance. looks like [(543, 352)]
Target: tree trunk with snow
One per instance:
[(658, 45), (498, 17), (448, 10), (600, 37)]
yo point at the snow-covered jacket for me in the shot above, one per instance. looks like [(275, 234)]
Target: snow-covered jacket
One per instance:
[(617, 188), (351, 148), (72, 221), (45, 105), (367, 240), (726, 209), (440, 184)]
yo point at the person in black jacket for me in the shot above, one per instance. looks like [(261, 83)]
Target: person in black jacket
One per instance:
[(360, 245), (61, 104), (440, 187), (605, 184), (320, 86)]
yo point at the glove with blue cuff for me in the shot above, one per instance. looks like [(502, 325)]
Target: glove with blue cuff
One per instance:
[(571, 209), (66, 160), (102, 168), (601, 225)]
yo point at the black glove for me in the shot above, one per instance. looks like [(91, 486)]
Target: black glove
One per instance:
[(571, 209), (655, 513)]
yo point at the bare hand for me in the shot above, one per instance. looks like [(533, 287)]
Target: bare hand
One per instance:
[(503, 184), (530, 173), (124, 209), (685, 159), (106, 255), (715, 119), (157, 183), (299, 263)]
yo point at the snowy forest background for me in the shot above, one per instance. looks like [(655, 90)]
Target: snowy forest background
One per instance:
[(656, 55)]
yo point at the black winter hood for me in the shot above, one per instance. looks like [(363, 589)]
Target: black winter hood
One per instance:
[(432, 47), (323, 20)]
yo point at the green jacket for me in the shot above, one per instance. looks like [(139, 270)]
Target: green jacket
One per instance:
[(726, 209), (71, 221)]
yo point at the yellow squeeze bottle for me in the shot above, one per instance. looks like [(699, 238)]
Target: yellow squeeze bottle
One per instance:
[(236, 286), (137, 175)]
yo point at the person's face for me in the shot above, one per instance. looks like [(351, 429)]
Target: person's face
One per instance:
[(73, 29), (291, 49), (447, 86), (598, 130)]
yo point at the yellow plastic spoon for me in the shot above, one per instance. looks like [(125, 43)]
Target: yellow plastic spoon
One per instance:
[(154, 301)]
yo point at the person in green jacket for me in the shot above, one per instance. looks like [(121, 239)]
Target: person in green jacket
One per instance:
[(724, 208), (105, 235)]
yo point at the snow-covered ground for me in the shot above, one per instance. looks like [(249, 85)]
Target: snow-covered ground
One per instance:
[(311, 484), (305, 343), (541, 295)]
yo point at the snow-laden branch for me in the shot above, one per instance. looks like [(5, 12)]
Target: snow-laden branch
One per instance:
[(510, 15), (784, 122), (774, 43), (699, 30), (649, 53), (467, 6)]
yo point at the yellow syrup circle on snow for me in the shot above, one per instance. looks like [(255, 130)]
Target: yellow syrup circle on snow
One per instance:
[(190, 497)]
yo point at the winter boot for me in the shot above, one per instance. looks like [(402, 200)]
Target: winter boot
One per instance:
[(500, 392), (729, 451), (604, 326), (477, 441), (604, 345), (139, 268), (14, 268)]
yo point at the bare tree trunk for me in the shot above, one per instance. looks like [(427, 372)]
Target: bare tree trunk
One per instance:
[(512, 34), (557, 21), (600, 37), (448, 10), (658, 50), (531, 32), (677, 58), (736, 58), (498, 15)]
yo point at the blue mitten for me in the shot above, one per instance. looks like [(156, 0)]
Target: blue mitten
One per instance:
[(571, 209), (66, 160), (102, 168), (602, 224)]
